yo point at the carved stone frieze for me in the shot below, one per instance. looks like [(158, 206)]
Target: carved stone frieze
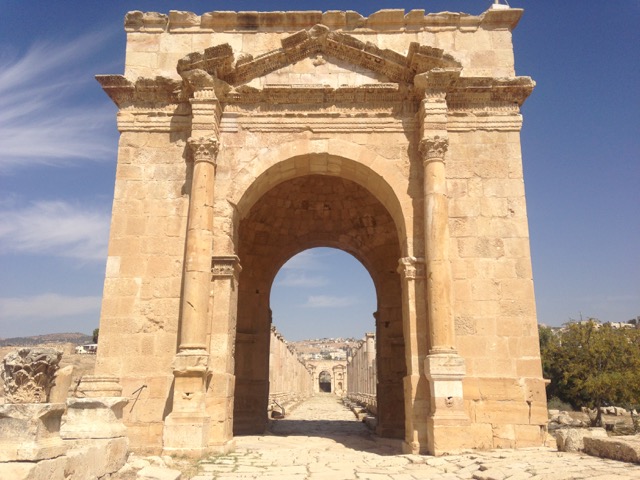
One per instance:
[(433, 148), (204, 149), (29, 374), (225, 266), (326, 123)]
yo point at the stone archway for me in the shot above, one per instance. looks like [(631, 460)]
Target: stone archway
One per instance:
[(414, 121), (325, 381), (305, 211)]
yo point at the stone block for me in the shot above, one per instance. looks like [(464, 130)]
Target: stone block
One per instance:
[(530, 436), (93, 417), (50, 469), (60, 389), (624, 448), (504, 436), (95, 458), (30, 431), (572, 439)]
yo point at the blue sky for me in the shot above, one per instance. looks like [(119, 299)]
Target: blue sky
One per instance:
[(58, 144)]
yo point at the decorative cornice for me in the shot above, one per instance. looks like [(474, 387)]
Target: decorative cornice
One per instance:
[(204, 149), (382, 20), (433, 148), (143, 92), (481, 92)]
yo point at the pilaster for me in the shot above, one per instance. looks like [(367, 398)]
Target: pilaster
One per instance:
[(416, 388), (225, 271), (188, 428), (443, 367)]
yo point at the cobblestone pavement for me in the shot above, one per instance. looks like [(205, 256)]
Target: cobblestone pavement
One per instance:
[(322, 440)]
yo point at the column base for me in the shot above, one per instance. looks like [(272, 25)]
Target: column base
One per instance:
[(185, 434), (413, 448), (94, 417), (448, 418), (417, 410)]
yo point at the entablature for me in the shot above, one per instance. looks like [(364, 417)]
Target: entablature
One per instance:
[(382, 20), (162, 104)]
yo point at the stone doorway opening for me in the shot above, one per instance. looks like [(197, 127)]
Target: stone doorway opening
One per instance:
[(324, 382), (307, 211)]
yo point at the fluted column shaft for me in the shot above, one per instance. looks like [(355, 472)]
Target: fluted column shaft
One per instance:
[(436, 234), (198, 250)]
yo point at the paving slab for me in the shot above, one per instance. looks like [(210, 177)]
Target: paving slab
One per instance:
[(322, 440)]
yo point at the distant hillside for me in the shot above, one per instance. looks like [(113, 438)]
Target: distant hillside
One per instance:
[(76, 338)]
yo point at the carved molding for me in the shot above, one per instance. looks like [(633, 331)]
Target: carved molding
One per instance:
[(144, 92), (225, 267), (219, 61), (382, 20), (204, 149), (433, 148), (411, 268)]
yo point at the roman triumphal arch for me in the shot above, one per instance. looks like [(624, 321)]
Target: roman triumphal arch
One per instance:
[(248, 137)]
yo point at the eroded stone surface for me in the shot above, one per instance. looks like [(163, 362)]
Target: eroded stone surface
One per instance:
[(29, 374)]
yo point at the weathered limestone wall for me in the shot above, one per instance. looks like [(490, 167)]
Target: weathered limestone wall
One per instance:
[(155, 42), (361, 374), (289, 379), (141, 299), (495, 316)]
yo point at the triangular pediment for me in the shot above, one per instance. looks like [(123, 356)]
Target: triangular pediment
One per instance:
[(356, 58), (320, 69)]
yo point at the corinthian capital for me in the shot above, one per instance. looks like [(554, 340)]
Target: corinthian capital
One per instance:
[(411, 268), (204, 149), (433, 148)]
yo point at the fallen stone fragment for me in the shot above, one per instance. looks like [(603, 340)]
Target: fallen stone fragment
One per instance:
[(572, 439), (158, 473), (626, 449)]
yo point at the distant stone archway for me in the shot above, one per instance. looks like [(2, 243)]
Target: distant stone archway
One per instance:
[(325, 381)]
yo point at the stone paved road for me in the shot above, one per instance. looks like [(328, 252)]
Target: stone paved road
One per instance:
[(321, 440)]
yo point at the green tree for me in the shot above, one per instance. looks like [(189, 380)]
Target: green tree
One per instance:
[(96, 332), (594, 365), (548, 342)]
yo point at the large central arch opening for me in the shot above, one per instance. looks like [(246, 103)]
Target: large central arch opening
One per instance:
[(295, 215)]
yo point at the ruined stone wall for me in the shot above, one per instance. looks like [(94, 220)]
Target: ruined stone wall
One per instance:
[(289, 379), (361, 374)]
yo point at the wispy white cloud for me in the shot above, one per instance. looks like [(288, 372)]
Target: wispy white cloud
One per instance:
[(300, 279), (55, 228), (37, 124), (312, 259), (48, 305), (306, 260), (328, 301)]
